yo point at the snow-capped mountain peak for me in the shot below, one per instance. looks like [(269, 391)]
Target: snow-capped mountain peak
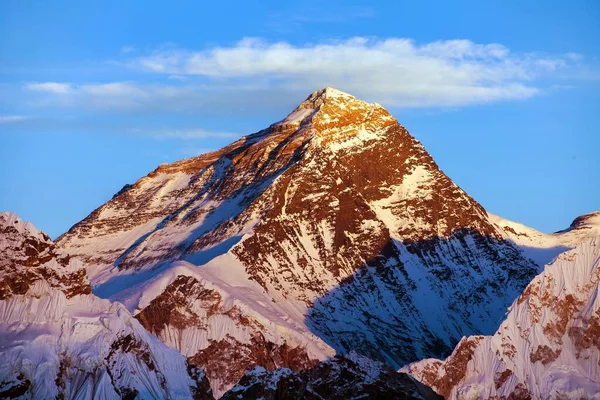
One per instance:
[(334, 116), (329, 231)]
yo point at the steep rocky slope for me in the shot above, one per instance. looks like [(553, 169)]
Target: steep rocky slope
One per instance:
[(59, 341), (330, 231), (349, 377), (548, 346)]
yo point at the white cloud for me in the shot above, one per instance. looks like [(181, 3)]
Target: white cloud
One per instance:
[(574, 56), (255, 75), (114, 89), (394, 71), (195, 151), (199, 134), (51, 87), (127, 49), (9, 119), (110, 95)]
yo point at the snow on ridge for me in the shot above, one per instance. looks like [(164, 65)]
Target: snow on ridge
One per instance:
[(546, 346), (23, 227), (332, 92), (52, 330), (57, 342), (283, 319), (544, 247)]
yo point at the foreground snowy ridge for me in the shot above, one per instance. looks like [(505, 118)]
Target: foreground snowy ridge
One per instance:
[(55, 343), (327, 232), (548, 346)]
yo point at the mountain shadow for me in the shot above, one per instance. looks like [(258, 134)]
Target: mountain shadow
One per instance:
[(416, 299)]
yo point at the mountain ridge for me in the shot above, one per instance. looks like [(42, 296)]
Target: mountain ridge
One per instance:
[(329, 231), (57, 340), (547, 347)]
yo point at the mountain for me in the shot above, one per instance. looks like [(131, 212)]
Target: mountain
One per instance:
[(549, 344), (542, 247), (330, 231), (348, 377), (59, 341)]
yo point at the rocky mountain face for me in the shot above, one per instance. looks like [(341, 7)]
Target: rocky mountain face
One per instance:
[(330, 231), (348, 377), (38, 260), (59, 341), (549, 344)]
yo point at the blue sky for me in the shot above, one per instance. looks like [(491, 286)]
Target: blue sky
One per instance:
[(504, 95)]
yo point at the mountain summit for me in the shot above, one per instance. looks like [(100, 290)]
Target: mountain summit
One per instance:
[(332, 230)]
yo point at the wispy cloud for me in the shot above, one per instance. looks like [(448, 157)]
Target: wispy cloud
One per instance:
[(395, 71), (114, 89), (195, 151), (51, 87), (186, 134), (181, 97), (9, 119), (191, 135), (113, 95), (255, 74), (127, 49)]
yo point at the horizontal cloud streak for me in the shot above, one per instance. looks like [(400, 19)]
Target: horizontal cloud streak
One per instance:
[(255, 75), (51, 87), (9, 119), (186, 134)]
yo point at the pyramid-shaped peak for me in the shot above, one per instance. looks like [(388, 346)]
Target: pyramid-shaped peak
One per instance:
[(328, 95), (331, 93), (328, 101)]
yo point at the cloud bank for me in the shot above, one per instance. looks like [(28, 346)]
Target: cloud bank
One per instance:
[(253, 74), (394, 71)]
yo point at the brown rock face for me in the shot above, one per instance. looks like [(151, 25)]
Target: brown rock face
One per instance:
[(225, 361), (170, 307), (228, 360), (454, 368), (544, 354), (15, 388), (588, 336), (28, 255), (338, 378)]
